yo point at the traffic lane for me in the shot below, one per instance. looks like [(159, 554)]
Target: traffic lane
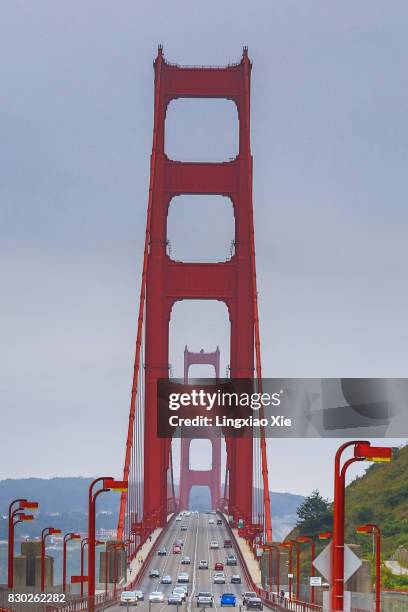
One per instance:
[(167, 565), (220, 533), (171, 563), (205, 581), (199, 579)]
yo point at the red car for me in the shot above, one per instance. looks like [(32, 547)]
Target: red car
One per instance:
[(219, 567), (176, 550)]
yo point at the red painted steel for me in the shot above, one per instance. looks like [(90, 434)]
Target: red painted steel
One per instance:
[(168, 281), (188, 477), (165, 281)]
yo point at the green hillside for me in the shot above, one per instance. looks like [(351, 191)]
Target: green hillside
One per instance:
[(380, 496)]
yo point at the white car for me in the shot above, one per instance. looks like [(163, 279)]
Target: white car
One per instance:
[(181, 590), (183, 577), (214, 544), (178, 518), (166, 580), (205, 599), (211, 522), (203, 564), (219, 578), (156, 597), (128, 597)]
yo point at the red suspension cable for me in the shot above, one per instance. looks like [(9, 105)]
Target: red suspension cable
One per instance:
[(265, 478), (129, 440)]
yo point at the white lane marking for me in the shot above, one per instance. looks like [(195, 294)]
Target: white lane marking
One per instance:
[(194, 566)]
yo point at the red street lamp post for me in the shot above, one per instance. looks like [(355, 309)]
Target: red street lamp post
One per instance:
[(310, 540), (108, 484), (116, 546), (363, 451), (296, 543), (289, 545), (376, 531), (271, 548), (84, 542), (47, 531), (15, 513), (67, 538)]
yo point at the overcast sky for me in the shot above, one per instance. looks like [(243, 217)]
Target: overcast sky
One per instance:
[(329, 139)]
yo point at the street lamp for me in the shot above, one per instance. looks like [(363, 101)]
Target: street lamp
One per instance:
[(310, 540), (370, 528), (115, 547), (270, 548), (296, 543), (363, 451), (44, 534), (289, 545), (108, 484), (84, 542), (15, 512), (67, 538)]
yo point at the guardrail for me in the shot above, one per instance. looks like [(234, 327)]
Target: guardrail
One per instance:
[(269, 599)]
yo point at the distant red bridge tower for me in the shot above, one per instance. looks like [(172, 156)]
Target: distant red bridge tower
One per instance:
[(212, 477)]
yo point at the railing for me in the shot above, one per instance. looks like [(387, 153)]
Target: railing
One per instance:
[(72, 603), (101, 601), (270, 599)]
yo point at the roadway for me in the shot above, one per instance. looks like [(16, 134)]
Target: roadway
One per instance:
[(196, 540)]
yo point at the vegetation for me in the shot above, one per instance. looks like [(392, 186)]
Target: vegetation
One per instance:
[(315, 515), (380, 496)]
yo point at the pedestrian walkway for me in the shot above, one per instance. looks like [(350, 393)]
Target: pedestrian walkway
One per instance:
[(136, 565), (251, 563)]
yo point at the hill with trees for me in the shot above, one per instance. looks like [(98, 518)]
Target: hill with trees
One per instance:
[(380, 496)]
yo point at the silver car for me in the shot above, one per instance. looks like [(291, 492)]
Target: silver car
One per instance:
[(181, 590), (156, 597), (128, 598), (183, 577), (205, 599), (219, 578)]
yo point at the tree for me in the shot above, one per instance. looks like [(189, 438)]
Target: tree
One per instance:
[(314, 514)]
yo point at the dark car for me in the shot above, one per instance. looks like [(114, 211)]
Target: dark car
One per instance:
[(235, 579), (219, 521), (231, 560), (154, 573), (227, 544)]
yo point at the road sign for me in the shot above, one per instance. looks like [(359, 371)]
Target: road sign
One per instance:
[(315, 581), (290, 575), (240, 523), (323, 562), (259, 552)]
